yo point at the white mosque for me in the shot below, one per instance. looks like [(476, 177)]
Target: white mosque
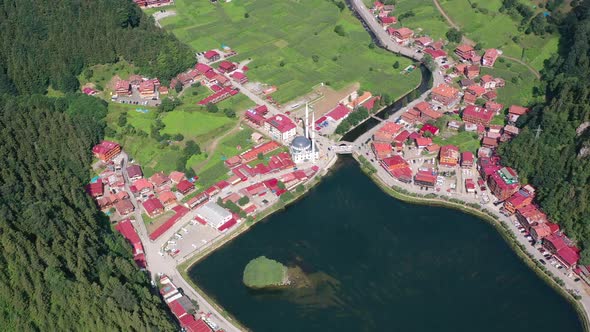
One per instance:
[(303, 148)]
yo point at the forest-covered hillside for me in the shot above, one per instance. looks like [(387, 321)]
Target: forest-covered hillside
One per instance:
[(48, 43), (62, 268), (557, 160)]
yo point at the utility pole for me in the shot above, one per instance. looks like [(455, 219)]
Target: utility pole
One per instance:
[(538, 130)]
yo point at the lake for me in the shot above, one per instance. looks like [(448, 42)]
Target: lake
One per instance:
[(379, 264)]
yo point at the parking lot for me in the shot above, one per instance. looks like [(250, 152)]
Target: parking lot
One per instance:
[(136, 99), (189, 238)]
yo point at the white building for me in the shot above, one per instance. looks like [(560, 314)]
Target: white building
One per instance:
[(214, 214), (281, 128), (303, 148)]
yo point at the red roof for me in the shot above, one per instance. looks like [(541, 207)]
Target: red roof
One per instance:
[(568, 255), (180, 212), (126, 229), (467, 157), (211, 54), (477, 90), (196, 326), (152, 204), (401, 137), (184, 186), (167, 196), (95, 189), (388, 20), (517, 110), (227, 225), (238, 76), (177, 309), (227, 66), (104, 147), (142, 184), (435, 54), (281, 122), (445, 91), (425, 176), (202, 68), (423, 141), (430, 128), (464, 48), (339, 112), (476, 112)]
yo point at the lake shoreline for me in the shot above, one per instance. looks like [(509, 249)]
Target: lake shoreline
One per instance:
[(504, 233)]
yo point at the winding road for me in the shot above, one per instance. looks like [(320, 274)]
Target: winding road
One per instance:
[(471, 42)]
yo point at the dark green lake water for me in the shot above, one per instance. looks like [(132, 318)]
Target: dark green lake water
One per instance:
[(382, 265)]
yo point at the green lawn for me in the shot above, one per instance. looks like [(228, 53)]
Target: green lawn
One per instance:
[(466, 141), (292, 32), (194, 124), (495, 29), (215, 169), (426, 17), (520, 93)]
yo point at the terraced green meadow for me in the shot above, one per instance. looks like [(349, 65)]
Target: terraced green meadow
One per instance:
[(291, 32)]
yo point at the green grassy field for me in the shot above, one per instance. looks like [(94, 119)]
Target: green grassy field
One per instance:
[(102, 74), (520, 93), (495, 29), (466, 141), (426, 19), (292, 32), (215, 169)]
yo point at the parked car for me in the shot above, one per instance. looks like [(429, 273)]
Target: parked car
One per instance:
[(542, 261)]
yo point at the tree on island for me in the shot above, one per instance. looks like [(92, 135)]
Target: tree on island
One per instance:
[(264, 272)]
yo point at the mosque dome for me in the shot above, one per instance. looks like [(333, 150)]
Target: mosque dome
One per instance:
[(301, 143)]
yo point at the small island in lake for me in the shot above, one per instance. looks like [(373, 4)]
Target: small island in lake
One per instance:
[(264, 272)]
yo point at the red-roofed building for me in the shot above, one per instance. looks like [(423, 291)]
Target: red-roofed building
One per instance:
[(126, 229), (476, 90), (177, 309), (425, 178), (446, 95), (560, 246), (185, 186), (467, 159), (436, 54), (402, 137), (195, 325), (256, 115), (153, 207), (490, 95), (263, 148), (422, 42), (402, 35), (338, 113), (469, 185), (124, 207), (489, 57), (515, 111), (387, 132), (203, 68), (472, 71), (176, 176), (494, 107), (387, 20), (95, 189), (143, 185), (477, 115), (147, 89), (134, 172), (449, 155), (503, 183), (488, 82), (520, 199), (219, 96), (122, 88), (167, 197), (281, 127), (465, 52), (540, 231), (239, 77), (397, 167), (227, 66), (426, 111), (180, 211), (489, 142), (106, 150), (212, 55), (423, 142), (382, 149), (429, 128), (159, 179), (198, 200)]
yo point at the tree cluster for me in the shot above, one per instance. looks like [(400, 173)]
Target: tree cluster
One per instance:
[(49, 43), (353, 119), (557, 159), (61, 265)]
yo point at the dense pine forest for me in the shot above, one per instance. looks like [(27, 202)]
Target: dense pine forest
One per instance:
[(557, 158), (48, 43), (61, 266)]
